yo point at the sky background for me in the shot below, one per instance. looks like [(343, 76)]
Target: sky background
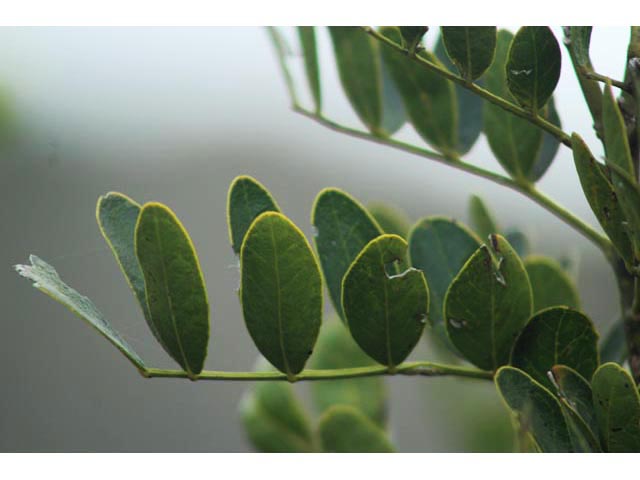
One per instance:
[(174, 114)]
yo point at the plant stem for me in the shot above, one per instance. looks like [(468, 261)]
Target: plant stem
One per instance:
[(604, 79), (486, 94), (527, 190), (427, 369)]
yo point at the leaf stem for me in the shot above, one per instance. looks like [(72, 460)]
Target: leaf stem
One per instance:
[(527, 190), (486, 94), (604, 79), (427, 369)]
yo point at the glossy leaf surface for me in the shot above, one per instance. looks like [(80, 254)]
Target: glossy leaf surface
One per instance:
[(174, 286), (487, 304), (386, 313), (342, 229), (281, 292)]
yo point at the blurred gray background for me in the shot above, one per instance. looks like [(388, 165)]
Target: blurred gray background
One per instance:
[(174, 114)]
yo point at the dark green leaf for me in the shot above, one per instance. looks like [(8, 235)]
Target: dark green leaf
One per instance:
[(246, 200), (487, 304), (275, 420), (602, 198), (482, 219), (359, 68), (514, 141), (617, 405), (518, 241), (307, 38), (469, 105), (337, 349), (429, 98), (556, 336), (470, 48), (550, 284), (386, 313), (281, 292), (535, 408), (550, 144), (47, 280), (440, 247), (628, 193), (342, 229), (344, 429), (580, 41), (615, 134), (117, 216), (393, 112), (533, 66), (391, 219), (174, 286), (412, 36), (613, 347), (575, 391)]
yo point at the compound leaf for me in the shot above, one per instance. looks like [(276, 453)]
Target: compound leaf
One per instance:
[(514, 141), (557, 335), (246, 200), (337, 349), (536, 409), (617, 405), (174, 286), (307, 36), (360, 73), (344, 429), (471, 49), (429, 99), (281, 292), (117, 216), (440, 247), (342, 229), (386, 312), (533, 66), (550, 284), (46, 279), (487, 304)]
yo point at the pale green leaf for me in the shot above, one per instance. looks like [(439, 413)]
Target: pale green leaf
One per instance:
[(344, 429), (550, 284), (307, 38), (391, 219), (482, 219)]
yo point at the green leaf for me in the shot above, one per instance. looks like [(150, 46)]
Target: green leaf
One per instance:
[(615, 133), (470, 48), (117, 216), (628, 193), (487, 304), (469, 105), (535, 408), (440, 247), (307, 38), (429, 99), (514, 141), (342, 229), (391, 219), (613, 347), (337, 349), (174, 286), (482, 220), (246, 200), (386, 313), (344, 429), (518, 241), (281, 292), (533, 66), (556, 336), (394, 115), (47, 280), (550, 144), (580, 41), (550, 284), (274, 419), (576, 392), (617, 405), (412, 36), (602, 198), (358, 63)]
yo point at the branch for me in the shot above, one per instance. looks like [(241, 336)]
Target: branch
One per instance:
[(427, 369), (529, 191), (485, 94), (604, 79)]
